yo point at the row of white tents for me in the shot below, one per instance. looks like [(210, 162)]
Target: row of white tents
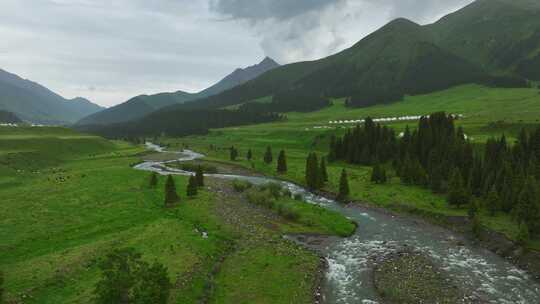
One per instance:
[(386, 119)]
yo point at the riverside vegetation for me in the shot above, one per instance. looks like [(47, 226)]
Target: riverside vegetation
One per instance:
[(74, 212)]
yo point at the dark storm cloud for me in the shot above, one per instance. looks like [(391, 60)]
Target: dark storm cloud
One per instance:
[(256, 10), (307, 29), (112, 50)]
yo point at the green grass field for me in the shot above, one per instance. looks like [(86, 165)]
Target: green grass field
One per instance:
[(487, 112), (68, 199)]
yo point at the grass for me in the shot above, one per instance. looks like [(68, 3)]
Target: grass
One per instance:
[(300, 214), (487, 112), (68, 199)]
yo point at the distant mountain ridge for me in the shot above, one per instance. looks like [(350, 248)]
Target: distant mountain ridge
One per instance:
[(139, 106), (482, 41), (9, 118), (35, 103)]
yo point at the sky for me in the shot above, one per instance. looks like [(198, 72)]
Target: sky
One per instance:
[(111, 50)]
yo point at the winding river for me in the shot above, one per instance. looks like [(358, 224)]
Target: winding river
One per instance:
[(487, 277)]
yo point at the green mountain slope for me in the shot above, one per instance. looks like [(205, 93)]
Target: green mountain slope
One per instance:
[(400, 58), (140, 106), (32, 102), (8, 117), (499, 35)]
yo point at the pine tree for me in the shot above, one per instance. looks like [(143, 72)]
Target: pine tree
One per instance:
[(153, 180), (282, 162), (523, 236), (233, 153), (313, 179), (343, 186), (199, 176), (378, 175), (171, 197), (324, 172), (493, 202), (268, 158), (457, 194), (192, 186), (249, 155), (527, 210)]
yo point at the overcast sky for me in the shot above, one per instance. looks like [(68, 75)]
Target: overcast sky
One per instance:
[(111, 50)]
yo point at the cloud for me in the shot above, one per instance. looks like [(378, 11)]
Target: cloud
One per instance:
[(109, 51), (305, 29), (120, 48)]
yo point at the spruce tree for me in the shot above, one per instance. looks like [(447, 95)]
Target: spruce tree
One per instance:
[(523, 235), (249, 155), (171, 197), (344, 190), (493, 202), (457, 194), (233, 153), (378, 175), (153, 180), (268, 158), (282, 162), (192, 186), (527, 210), (312, 172), (324, 172), (199, 176)]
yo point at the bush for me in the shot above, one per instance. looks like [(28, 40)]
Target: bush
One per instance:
[(126, 278), (241, 186), (288, 213), (261, 198), (298, 197), (273, 188), (191, 167)]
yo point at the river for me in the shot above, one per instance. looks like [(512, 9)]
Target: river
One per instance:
[(483, 274)]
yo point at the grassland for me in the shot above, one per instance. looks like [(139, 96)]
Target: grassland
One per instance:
[(69, 198), (487, 112)]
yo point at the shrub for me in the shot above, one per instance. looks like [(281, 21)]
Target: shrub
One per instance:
[(241, 186), (289, 213), (298, 197), (126, 278), (273, 188), (261, 198), (191, 167)]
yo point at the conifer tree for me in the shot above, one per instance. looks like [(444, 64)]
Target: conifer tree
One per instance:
[(153, 180), (457, 194), (249, 155), (527, 210), (171, 197), (493, 202), (313, 179), (324, 172), (199, 176), (523, 235), (268, 158), (192, 186), (282, 162), (233, 153), (344, 190)]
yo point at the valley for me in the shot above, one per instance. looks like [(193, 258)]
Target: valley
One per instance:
[(387, 160)]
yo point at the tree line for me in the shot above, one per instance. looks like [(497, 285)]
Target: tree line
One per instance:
[(438, 155)]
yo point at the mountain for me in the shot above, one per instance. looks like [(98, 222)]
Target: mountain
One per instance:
[(487, 39), (139, 106), (491, 42), (8, 117), (35, 103), (498, 35)]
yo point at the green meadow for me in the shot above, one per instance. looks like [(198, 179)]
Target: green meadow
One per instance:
[(68, 199), (487, 112)]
